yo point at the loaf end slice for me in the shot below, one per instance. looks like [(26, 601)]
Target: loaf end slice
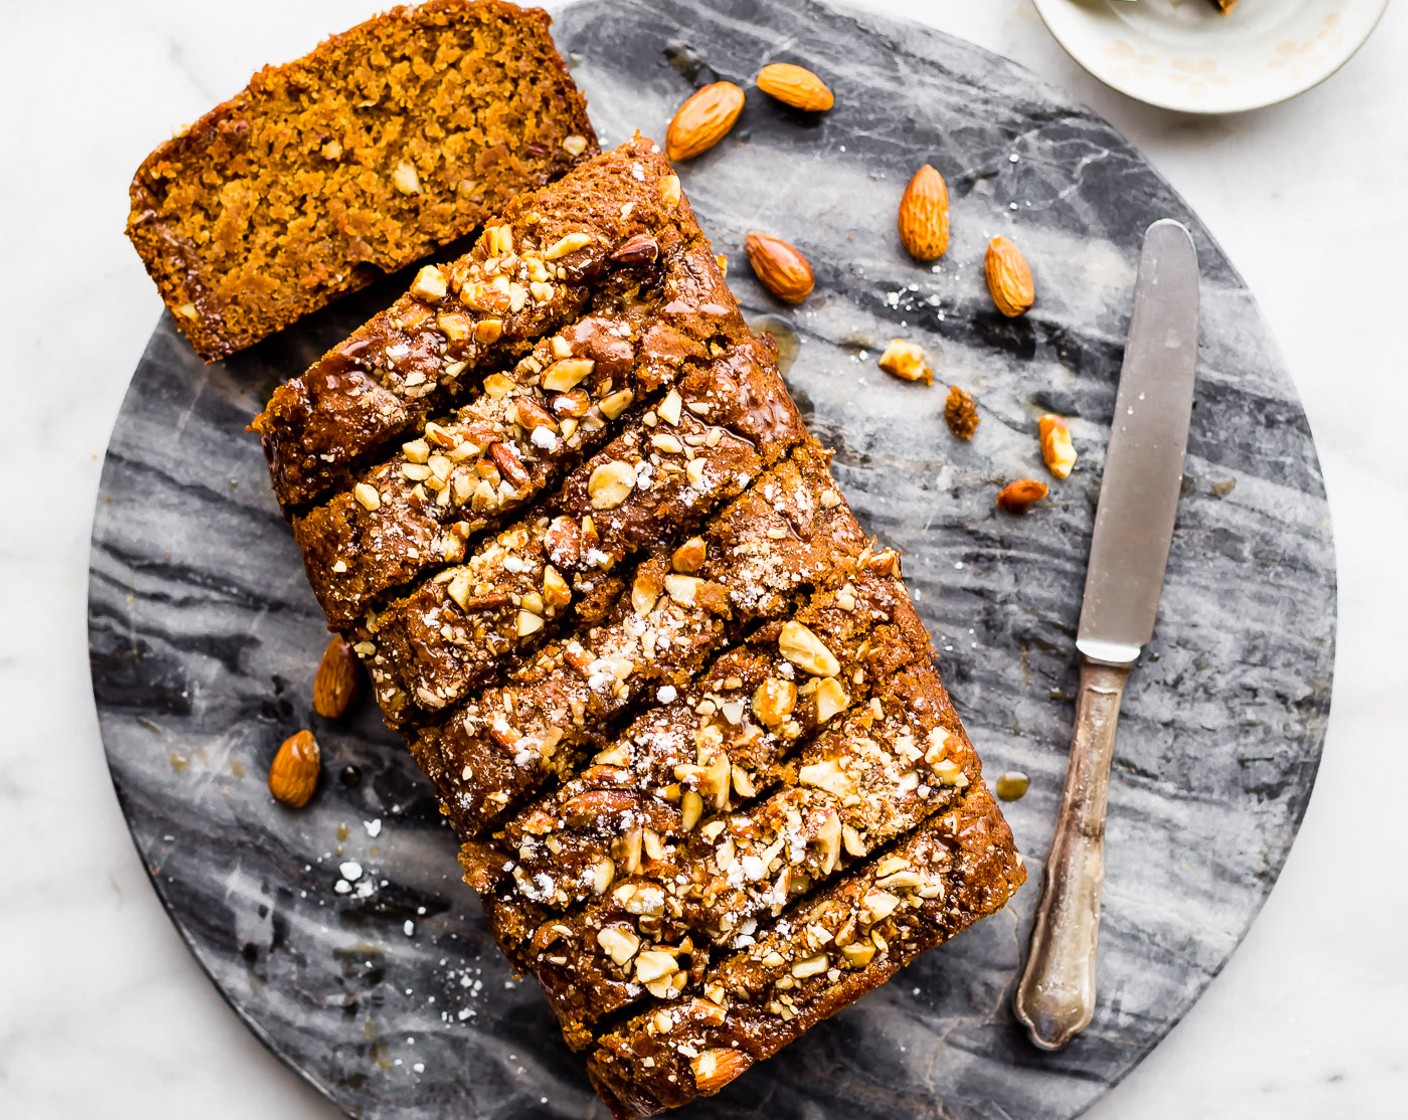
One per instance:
[(323, 174)]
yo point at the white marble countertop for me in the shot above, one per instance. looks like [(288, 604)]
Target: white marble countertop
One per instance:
[(102, 1011)]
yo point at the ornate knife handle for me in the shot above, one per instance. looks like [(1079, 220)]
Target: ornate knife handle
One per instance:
[(1056, 997)]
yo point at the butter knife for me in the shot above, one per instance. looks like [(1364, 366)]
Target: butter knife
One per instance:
[(1128, 553)]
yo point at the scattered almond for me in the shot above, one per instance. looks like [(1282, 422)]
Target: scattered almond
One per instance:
[(923, 215), (703, 120), (780, 268), (906, 361), (293, 775), (1019, 496), (1056, 446), (335, 683), (1009, 278), (960, 413), (796, 86)]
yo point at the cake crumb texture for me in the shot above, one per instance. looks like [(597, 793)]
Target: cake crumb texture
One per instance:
[(384, 143)]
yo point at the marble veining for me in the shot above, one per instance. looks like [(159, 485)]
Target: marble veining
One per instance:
[(341, 933)]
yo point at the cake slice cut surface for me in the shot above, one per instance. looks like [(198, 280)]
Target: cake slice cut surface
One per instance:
[(385, 143)]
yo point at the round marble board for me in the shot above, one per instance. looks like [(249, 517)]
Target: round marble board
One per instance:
[(342, 934)]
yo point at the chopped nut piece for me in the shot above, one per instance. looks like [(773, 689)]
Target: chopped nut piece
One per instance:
[(620, 943), (430, 284), (566, 374), (670, 190), (417, 451), (828, 775), (405, 179), (811, 966), (906, 361), (1056, 447), (645, 590), (498, 240), (806, 651), (610, 484), (574, 145), (713, 1069), (960, 413), (454, 326), (367, 495), (488, 330), (689, 557), (528, 623), (669, 409), (642, 249), (682, 589), (859, 953), (569, 244), (616, 403), (1019, 496), (602, 875), (774, 700), (878, 905), (831, 699), (556, 593), (691, 806), (653, 964)]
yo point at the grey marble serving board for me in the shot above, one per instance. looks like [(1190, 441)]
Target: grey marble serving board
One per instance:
[(382, 988)]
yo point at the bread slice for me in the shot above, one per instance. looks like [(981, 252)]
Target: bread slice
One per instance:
[(677, 704), (385, 143)]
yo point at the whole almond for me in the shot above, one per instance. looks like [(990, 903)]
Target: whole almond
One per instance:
[(703, 120), (293, 776), (796, 86), (1009, 278), (335, 683), (1019, 496), (923, 216), (781, 268)]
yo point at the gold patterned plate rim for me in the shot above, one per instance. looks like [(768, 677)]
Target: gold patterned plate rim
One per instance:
[(1183, 55)]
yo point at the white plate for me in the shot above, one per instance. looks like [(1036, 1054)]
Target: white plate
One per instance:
[(1184, 55)]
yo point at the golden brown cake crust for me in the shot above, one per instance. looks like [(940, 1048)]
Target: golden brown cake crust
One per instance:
[(687, 724), (384, 143)]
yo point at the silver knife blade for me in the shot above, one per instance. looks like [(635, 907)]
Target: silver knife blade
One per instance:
[(1144, 464)]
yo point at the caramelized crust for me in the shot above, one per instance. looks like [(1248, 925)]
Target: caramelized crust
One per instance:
[(701, 445), (830, 951), (385, 143), (678, 706), (532, 273)]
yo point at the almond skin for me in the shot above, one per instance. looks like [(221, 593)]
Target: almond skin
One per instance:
[(703, 120), (780, 267), (1019, 496), (293, 776), (796, 86), (335, 684), (1009, 278), (923, 216)]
